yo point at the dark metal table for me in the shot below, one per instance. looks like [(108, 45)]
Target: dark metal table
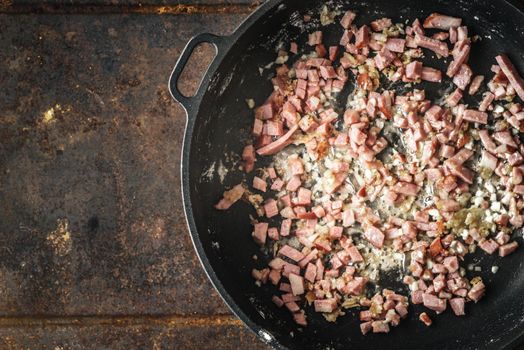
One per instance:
[(94, 251)]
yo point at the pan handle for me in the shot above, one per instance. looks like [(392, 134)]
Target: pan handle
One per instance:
[(188, 102)]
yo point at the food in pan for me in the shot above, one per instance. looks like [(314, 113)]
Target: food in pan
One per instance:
[(395, 180)]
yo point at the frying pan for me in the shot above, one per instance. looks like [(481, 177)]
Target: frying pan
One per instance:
[(218, 126)]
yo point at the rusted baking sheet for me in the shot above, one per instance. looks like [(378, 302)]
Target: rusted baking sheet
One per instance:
[(137, 336), (91, 221)]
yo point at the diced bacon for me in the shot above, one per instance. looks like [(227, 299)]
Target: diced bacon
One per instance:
[(348, 218), (515, 159), (436, 46), (477, 291), (448, 205), (273, 233), (304, 196), (438, 21), (459, 60), (381, 24), (354, 254), (488, 245), (259, 184), (293, 47), (271, 208), (230, 197), (434, 303), (504, 137), (365, 327), (475, 116), (311, 273), (463, 76), (325, 305), (434, 113), (414, 70), (297, 284), (362, 37), (462, 172), (461, 156), (345, 38), (384, 58), (260, 232), (294, 183), (347, 19), (457, 305), (328, 72), (453, 35), (486, 101), (396, 45), (357, 136), (380, 327), (511, 73), (279, 144), (315, 38), (424, 318), (454, 98), (374, 236), (258, 126), (475, 84), (507, 249), (333, 52), (274, 128), (277, 301), (265, 112), (291, 253), (405, 188), (486, 140), (285, 227), (431, 74), (488, 160)]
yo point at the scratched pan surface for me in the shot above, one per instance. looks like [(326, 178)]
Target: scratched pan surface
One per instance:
[(218, 126)]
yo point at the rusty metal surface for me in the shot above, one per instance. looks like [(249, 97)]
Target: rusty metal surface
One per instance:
[(94, 251), (145, 335)]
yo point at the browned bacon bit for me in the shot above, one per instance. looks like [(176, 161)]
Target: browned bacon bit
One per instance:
[(425, 319), (511, 73), (335, 206), (436, 20)]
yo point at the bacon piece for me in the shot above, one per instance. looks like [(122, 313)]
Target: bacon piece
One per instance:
[(439, 21), (488, 245), (477, 291), (463, 76), (511, 73), (355, 255), (475, 84), (259, 184), (374, 236), (384, 58), (381, 24), (487, 141), (249, 158), (505, 138), (396, 45), (486, 101), (266, 111), (475, 116), (457, 305), (414, 70), (507, 249), (230, 197), (271, 208), (458, 170), (425, 319), (325, 305), (347, 19), (454, 98), (297, 284), (362, 37), (488, 160), (461, 156), (315, 38), (436, 46), (431, 74), (458, 61), (365, 327), (380, 327), (405, 188), (311, 273), (260, 233), (434, 303), (279, 144)]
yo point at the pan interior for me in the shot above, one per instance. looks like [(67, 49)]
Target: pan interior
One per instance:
[(222, 127)]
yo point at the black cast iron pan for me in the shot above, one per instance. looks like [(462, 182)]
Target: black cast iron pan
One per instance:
[(218, 126)]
